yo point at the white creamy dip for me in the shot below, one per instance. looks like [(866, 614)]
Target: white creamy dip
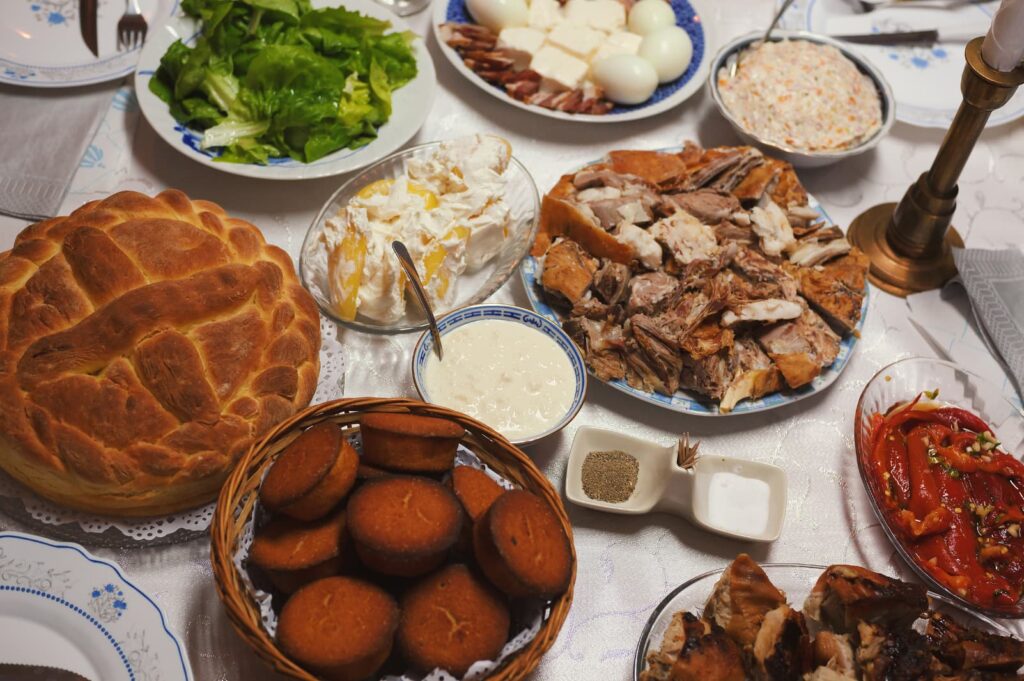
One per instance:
[(512, 377), (738, 504)]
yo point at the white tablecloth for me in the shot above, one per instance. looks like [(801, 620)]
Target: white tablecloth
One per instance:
[(626, 564)]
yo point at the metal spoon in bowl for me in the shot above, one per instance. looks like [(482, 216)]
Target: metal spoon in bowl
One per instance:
[(734, 61), (417, 286)]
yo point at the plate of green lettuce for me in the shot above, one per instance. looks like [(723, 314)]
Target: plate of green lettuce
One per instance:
[(285, 89)]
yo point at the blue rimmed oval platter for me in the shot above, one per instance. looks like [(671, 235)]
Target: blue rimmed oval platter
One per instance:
[(689, 17)]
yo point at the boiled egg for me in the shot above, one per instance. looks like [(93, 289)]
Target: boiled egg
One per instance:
[(625, 78), (648, 16), (499, 14), (669, 50)]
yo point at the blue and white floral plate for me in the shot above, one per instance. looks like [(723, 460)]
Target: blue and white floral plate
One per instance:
[(411, 106), (41, 44), (925, 79), (688, 402), (689, 16), (62, 607)]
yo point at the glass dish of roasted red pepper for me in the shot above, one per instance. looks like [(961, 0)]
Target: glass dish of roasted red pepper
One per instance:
[(953, 498)]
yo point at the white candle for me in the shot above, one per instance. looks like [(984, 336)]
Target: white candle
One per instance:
[(1003, 48)]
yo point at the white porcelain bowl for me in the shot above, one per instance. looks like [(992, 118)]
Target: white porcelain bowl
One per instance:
[(477, 313), (800, 158)]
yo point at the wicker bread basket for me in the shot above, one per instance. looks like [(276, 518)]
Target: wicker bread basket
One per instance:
[(238, 498)]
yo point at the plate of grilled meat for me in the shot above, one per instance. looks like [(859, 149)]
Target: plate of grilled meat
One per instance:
[(705, 281), (744, 623)]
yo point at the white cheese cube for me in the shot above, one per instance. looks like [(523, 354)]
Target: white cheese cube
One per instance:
[(603, 15), (621, 42), (581, 41), (522, 44), (559, 68), (544, 14)]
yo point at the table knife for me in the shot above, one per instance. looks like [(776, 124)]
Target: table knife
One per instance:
[(87, 24), (931, 36), (33, 672)]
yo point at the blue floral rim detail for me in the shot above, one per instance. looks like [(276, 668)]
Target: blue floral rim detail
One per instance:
[(186, 672), (78, 611), (686, 18)]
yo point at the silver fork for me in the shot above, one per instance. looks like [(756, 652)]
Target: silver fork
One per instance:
[(131, 29)]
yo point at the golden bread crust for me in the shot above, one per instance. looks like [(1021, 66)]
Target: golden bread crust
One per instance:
[(145, 343)]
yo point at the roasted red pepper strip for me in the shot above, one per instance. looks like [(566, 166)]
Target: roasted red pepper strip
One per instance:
[(956, 500)]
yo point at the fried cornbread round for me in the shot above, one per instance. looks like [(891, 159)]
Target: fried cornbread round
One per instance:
[(145, 343), (294, 553), (312, 475), (403, 525), (339, 627), (521, 547), (409, 443), (451, 620)]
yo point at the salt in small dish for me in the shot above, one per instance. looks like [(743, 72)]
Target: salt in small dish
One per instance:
[(694, 493)]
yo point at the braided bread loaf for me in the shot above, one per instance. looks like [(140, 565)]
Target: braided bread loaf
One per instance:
[(144, 344)]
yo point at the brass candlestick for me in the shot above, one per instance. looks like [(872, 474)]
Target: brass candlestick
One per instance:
[(910, 243)]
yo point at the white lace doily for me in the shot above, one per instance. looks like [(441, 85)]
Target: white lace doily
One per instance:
[(26, 506), (527, 616)]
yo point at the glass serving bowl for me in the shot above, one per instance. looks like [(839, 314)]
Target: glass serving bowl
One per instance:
[(795, 580), (471, 287), (901, 382)]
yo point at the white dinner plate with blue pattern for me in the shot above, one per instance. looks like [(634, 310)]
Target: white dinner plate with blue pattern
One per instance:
[(41, 44), (410, 106), (688, 402), (689, 15), (925, 79), (63, 607)]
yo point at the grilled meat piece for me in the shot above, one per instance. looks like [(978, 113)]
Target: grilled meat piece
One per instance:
[(836, 289), (710, 375), (892, 654), (590, 307), (708, 338), (801, 348), (812, 252), (753, 375), (694, 650), (741, 599), (773, 228), (752, 188), (782, 649), (969, 649), (766, 279), (660, 169), (611, 282), (729, 232), (568, 272), (707, 205), (685, 238), (833, 651), (603, 344), (847, 594), (650, 293), (787, 190), (723, 168), (662, 354), (767, 310)]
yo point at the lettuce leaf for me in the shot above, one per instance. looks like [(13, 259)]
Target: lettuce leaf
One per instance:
[(273, 78)]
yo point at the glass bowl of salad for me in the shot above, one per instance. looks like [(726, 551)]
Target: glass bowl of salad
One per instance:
[(938, 452), (801, 97)]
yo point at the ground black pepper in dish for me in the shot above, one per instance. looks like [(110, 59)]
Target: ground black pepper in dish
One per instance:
[(610, 476)]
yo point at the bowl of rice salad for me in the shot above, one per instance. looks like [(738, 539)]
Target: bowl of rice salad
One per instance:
[(803, 97)]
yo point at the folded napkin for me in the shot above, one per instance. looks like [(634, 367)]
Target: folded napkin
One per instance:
[(995, 284), (43, 137)]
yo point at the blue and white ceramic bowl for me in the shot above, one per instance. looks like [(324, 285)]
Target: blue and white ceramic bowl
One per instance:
[(476, 313), (689, 16)]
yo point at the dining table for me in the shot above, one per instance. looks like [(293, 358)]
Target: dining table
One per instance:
[(626, 564)]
